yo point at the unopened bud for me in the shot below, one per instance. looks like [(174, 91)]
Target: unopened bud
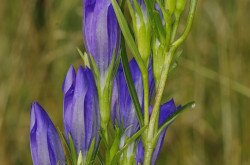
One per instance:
[(180, 6), (143, 37), (170, 4), (158, 60)]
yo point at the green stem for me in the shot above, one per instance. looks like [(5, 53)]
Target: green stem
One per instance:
[(162, 83), (146, 97), (148, 154)]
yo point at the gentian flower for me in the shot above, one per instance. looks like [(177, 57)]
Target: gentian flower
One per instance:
[(166, 111), (45, 144), (123, 112), (100, 32), (80, 117), (81, 109)]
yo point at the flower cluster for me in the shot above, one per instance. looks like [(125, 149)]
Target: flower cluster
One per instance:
[(112, 108)]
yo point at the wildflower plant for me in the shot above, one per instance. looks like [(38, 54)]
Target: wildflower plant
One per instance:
[(112, 107)]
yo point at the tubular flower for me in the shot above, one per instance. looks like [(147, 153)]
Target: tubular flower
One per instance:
[(123, 111), (166, 111), (100, 32), (80, 117), (81, 110), (45, 144)]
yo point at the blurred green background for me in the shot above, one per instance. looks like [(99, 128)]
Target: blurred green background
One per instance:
[(38, 41)]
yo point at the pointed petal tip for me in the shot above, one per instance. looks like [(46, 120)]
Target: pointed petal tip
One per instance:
[(69, 79)]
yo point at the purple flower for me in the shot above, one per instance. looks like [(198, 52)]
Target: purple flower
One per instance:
[(100, 32), (81, 109), (80, 117), (45, 144), (166, 111), (123, 111)]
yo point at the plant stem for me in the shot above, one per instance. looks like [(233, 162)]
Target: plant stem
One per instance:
[(162, 83), (146, 96)]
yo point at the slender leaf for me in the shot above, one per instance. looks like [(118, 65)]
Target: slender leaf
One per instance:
[(130, 83)]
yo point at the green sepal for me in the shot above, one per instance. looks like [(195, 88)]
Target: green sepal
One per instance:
[(65, 147), (142, 30), (95, 70), (154, 21), (91, 152), (158, 60), (171, 119), (129, 141), (175, 62), (80, 159), (115, 146), (72, 149), (159, 31), (84, 57)]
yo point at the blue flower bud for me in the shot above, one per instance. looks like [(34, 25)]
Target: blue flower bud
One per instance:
[(81, 108), (100, 32), (45, 144), (123, 112)]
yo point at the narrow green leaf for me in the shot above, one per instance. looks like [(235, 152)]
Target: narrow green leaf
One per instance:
[(129, 141), (129, 81)]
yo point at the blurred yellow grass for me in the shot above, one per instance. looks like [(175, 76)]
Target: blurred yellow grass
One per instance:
[(38, 41)]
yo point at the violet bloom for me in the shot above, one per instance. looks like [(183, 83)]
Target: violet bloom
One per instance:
[(123, 111), (166, 111), (100, 32), (45, 144), (81, 109), (80, 117)]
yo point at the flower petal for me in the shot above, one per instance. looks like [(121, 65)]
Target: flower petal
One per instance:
[(100, 32), (69, 80), (45, 143), (81, 111)]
